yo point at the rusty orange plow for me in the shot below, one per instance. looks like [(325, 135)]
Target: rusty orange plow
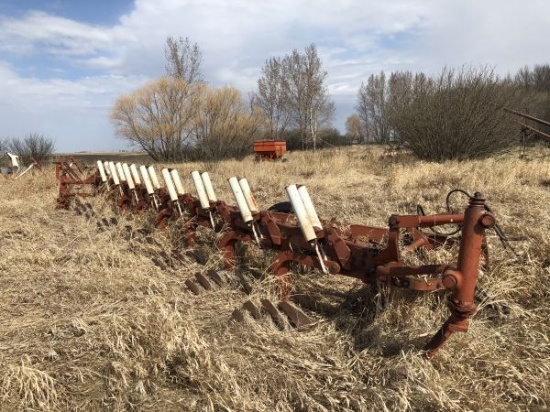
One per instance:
[(293, 229)]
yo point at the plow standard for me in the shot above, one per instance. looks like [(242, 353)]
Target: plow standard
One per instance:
[(300, 238)]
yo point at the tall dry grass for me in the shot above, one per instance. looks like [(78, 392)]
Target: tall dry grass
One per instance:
[(100, 319)]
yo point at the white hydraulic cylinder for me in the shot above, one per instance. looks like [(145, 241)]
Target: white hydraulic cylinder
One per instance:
[(208, 187), (310, 209), (101, 171), (177, 182), (114, 174), (120, 172), (251, 202), (128, 176), (135, 174), (146, 180), (301, 214), (240, 199), (201, 192), (169, 185), (153, 176)]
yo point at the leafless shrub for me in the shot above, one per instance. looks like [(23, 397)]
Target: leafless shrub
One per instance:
[(33, 145), (455, 116)]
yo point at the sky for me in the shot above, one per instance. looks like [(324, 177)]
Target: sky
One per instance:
[(64, 63)]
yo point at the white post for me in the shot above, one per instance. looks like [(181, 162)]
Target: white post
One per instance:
[(146, 180), (208, 187), (301, 214), (177, 182), (169, 185), (148, 185), (130, 180), (201, 192), (240, 199), (128, 176), (153, 176), (245, 187), (310, 209), (114, 174), (171, 189), (305, 222), (135, 174), (120, 172), (101, 171)]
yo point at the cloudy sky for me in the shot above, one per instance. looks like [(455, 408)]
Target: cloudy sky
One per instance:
[(63, 63)]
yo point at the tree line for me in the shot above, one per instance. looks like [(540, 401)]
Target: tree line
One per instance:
[(457, 114), (179, 116)]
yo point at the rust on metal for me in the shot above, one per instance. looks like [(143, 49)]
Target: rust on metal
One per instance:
[(204, 282), (193, 287), (215, 276), (237, 315), (252, 309), (527, 127), (272, 311), (297, 317), (371, 254)]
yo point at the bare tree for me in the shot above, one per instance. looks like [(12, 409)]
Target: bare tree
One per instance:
[(541, 78), (372, 108), (159, 117), (183, 59), (355, 129), (292, 93), (173, 120), (225, 126), (33, 145), (272, 97), (364, 109), (524, 78), (309, 102)]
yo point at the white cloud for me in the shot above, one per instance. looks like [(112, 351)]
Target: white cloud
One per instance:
[(355, 38), (56, 34), (73, 113)]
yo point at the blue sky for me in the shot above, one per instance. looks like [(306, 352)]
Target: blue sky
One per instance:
[(63, 63)]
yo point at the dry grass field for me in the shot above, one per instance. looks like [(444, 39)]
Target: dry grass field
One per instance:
[(98, 319)]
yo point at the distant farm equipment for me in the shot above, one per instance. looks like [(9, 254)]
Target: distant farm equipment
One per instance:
[(374, 255), (269, 149), (13, 166), (523, 120)]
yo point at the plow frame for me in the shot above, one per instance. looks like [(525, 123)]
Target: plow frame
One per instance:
[(370, 254)]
